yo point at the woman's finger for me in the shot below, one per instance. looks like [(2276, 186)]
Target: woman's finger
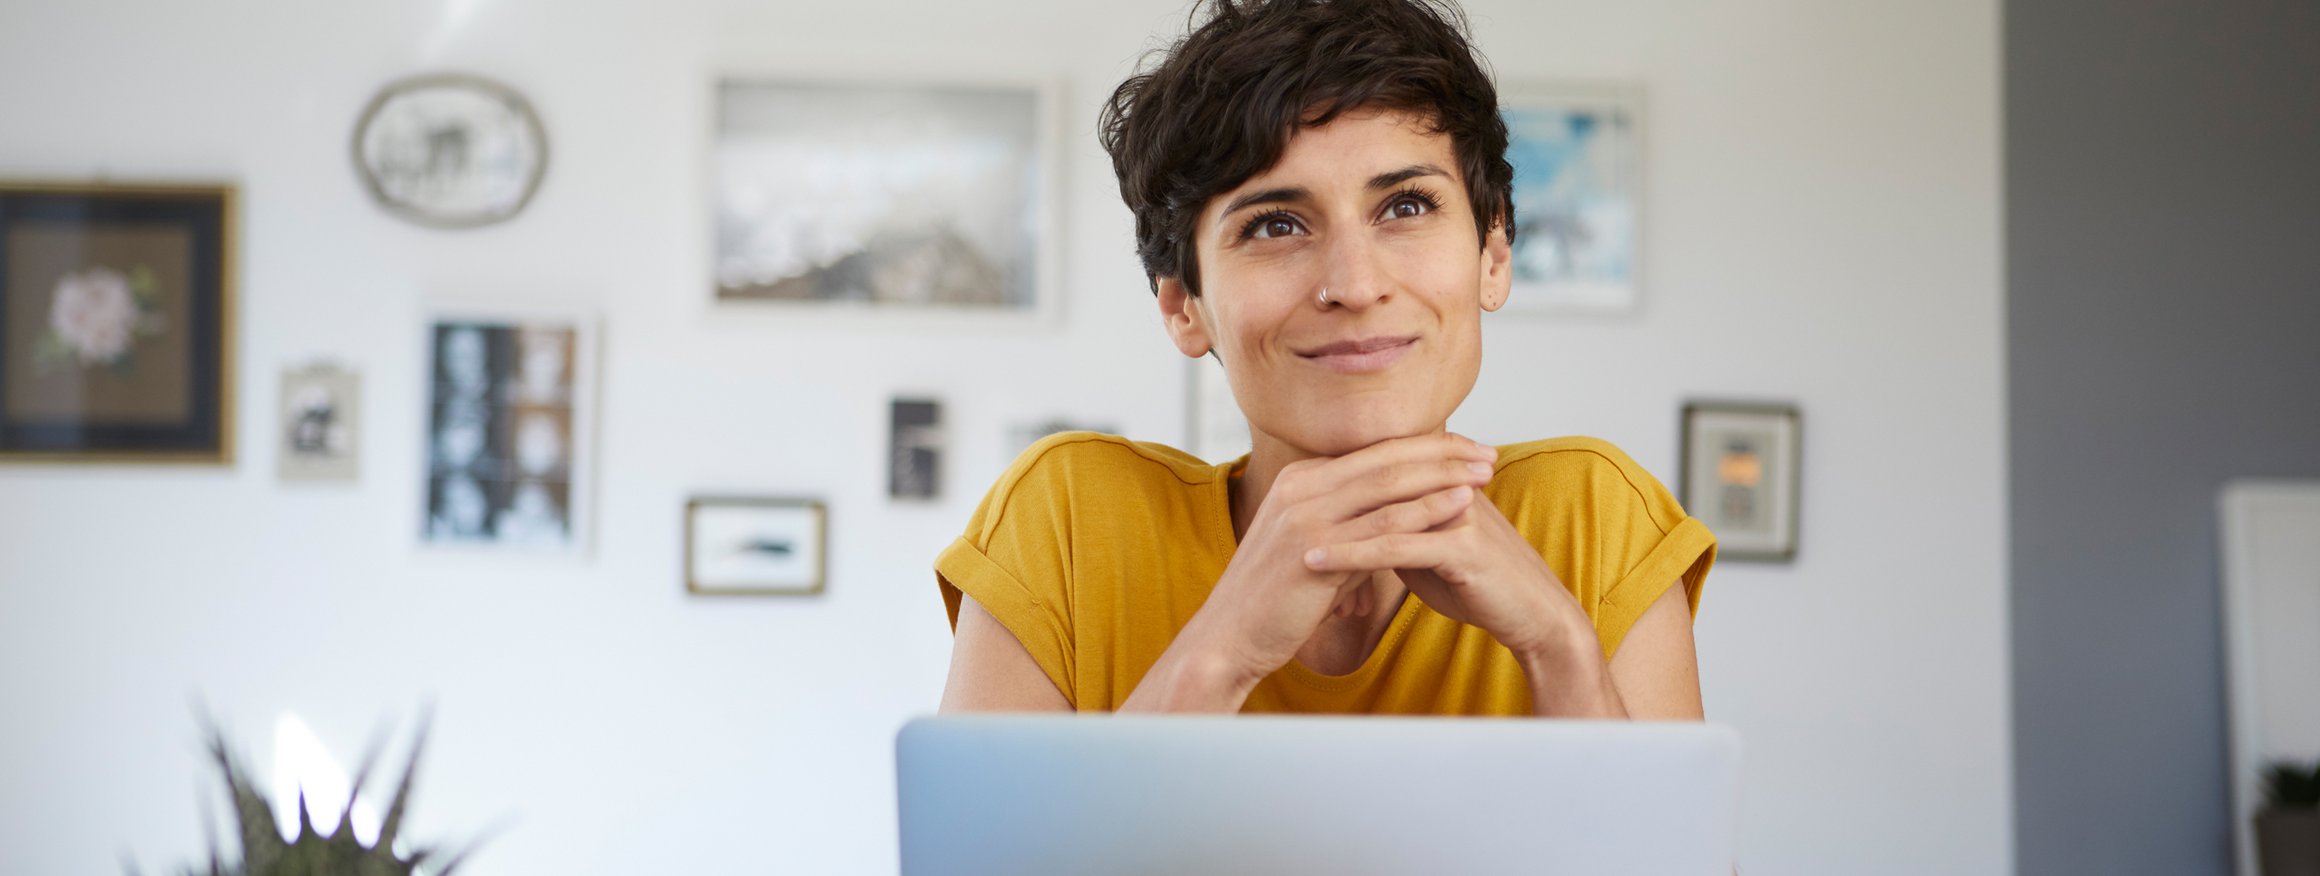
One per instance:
[(1335, 497), (1325, 476), (1398, 550), (1416, 515)]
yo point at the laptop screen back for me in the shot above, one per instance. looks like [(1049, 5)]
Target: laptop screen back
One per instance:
[(1174, 794)]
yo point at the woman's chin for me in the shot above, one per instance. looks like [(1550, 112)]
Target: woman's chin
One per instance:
[(1349, 434)]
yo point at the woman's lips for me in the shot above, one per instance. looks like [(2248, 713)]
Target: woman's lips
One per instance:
[(1362, 355)]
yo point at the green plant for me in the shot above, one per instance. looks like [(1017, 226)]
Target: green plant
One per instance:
[(2288, 785), (311, 853)]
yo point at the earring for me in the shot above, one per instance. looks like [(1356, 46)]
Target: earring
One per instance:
[(1324, 296)]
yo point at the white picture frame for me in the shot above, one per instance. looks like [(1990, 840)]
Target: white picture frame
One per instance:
[(509, 449), (318, 434), (859, 196), (1578, 156), (450, 150)]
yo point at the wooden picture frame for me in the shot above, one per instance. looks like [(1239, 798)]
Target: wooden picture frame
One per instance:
[(1741, 475), (756, 546), (117, 323)]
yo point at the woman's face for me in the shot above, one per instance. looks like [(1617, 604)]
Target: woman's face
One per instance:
[(1371, 207)]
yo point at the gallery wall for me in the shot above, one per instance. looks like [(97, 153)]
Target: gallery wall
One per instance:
[(1822, 217), (2162, 309)]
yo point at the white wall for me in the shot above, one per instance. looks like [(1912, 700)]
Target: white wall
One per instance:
[(1823, 227)]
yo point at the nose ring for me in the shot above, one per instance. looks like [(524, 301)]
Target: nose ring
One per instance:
[(1325, 296)]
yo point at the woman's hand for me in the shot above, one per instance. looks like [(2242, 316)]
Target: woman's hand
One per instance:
[(1474, 568), (1269, 601)]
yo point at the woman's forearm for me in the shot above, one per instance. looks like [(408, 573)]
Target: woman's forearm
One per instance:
[(1198, 673)]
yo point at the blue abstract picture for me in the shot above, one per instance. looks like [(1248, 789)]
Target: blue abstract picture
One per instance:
[(1576, 169)]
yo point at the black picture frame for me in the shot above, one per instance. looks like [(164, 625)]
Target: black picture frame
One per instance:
[(1751, 454), (160, 392), (914, 459)]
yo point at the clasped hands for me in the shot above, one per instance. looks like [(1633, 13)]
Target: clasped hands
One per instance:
[(1412, 506)]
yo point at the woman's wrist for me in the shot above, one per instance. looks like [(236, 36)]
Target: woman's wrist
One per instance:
[(1570, 679), (1199, 672)]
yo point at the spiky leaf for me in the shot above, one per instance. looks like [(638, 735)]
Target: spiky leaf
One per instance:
[(310, 852)]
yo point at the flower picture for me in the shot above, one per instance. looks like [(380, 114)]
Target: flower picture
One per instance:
[(96, 317), (115, 323)]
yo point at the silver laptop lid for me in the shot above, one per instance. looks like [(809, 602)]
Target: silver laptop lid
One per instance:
[(1111, 794)]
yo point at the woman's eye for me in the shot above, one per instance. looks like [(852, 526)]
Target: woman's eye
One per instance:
[(1406, 208), (1277, 226)]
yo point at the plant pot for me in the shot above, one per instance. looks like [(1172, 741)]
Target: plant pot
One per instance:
[(2288, 842)]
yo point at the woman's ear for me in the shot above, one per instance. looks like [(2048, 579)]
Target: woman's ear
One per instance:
[(1184, 315), (1497, 267)]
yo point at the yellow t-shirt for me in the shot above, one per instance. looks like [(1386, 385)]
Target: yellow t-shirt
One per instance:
[(1095, 550)]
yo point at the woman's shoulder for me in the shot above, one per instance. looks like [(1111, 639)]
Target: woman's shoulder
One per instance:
[(1579, 468), (1080, 462), (1569, 451)]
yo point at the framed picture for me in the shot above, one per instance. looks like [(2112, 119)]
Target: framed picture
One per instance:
[(116, 323), (1578, 183), (1215, 425), (508, 428), (928, 197), (1741, 476), (321, 425), (763, 547), (450, 150), (915, 449)]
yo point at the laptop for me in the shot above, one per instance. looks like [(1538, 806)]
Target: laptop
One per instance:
[(1113, 794)]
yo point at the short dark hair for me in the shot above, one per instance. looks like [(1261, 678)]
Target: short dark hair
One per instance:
[(1223, 101)]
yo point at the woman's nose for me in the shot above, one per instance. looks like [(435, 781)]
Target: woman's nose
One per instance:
[(1354, 278)]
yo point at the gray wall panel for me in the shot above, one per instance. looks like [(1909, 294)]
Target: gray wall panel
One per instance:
[(2163, 309)]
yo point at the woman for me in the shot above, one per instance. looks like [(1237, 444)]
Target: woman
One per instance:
[(1322, 202)]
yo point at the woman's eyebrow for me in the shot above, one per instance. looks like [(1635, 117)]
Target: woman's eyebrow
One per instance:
[(1393, 178), (1267, 196)]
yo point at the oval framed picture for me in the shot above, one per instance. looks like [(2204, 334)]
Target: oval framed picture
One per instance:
[(450, 150)]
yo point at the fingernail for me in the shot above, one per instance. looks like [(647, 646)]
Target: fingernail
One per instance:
[(1315, 556), (1461, 494), (1480, 469)]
